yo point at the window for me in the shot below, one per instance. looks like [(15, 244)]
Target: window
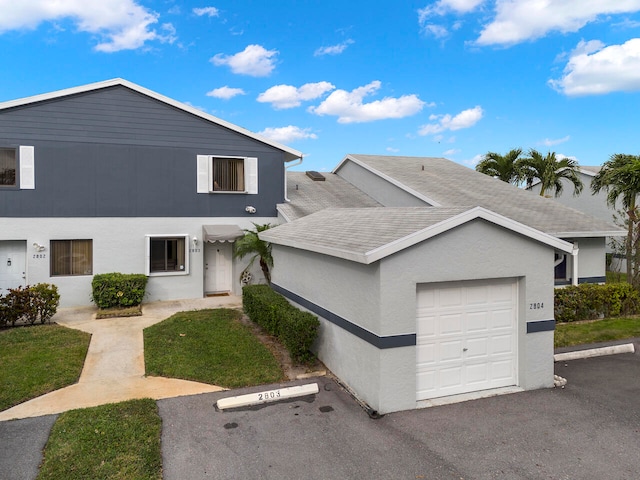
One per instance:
[(227, 174), (71, 257), (8, 166), (167, 254)]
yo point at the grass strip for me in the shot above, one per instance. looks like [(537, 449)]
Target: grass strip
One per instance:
[(209, 346), (118, 441), (38, 359), (608, 329)]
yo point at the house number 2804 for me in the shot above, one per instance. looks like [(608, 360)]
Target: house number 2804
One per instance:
[(536, 306)]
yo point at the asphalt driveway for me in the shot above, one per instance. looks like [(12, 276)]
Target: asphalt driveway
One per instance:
[(588, 430)]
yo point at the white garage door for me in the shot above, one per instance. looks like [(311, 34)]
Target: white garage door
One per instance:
[(466, 337)]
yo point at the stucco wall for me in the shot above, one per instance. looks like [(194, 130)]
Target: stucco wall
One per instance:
[(382, 298), (591, 259), (377, 188), (119, 245)]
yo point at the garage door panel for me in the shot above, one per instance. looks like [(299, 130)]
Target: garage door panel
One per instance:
[(472, 337)]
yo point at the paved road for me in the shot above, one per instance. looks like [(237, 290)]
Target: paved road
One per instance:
[(588, 430)]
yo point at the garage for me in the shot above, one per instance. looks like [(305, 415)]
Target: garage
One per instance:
[(466, 337)]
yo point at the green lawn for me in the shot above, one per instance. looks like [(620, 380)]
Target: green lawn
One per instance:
[(209, 346), (39, 359), (578, 333), (119, 441)]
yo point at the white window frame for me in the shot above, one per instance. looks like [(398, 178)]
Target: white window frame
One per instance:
[(205, 174), (187, 261)]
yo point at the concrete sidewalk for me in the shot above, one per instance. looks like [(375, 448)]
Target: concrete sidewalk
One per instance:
[(114, 367)]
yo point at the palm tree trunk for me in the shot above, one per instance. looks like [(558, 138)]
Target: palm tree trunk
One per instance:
[(265, 270)]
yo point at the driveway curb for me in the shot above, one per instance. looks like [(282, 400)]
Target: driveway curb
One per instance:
[(594, 352)]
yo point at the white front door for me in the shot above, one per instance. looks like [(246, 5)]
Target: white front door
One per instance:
[(13, 261), (218, 263), (466, 337)]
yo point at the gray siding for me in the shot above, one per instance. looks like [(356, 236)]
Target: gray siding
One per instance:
[(115, 152)]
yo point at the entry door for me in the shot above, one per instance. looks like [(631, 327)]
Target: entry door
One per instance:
[(218, 263), (466, 337), (13, 260)]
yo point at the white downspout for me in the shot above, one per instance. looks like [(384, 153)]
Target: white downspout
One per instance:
[(286, 199), (574, 262)]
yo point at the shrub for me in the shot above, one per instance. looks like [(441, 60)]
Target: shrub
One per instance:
[(296, 329), (29, 304), (590, 301), (116, 290)]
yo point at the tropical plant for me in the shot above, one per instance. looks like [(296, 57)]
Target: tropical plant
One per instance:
[(251, 244), (551, 171), (620, 178), (503, 167)]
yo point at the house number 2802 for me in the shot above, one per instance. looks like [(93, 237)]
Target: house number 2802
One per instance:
[(536, 306)]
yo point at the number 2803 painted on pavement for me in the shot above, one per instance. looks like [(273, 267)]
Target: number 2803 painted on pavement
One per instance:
[(271, 395)]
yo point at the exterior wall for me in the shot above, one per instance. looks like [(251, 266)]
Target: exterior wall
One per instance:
[(591, 260), (377, 188), (119, 245), (117, 153), (382, 298)]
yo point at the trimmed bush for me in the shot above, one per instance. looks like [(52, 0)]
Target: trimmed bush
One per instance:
[(297, 330), (29, 304), (590, 301), (118, 290)]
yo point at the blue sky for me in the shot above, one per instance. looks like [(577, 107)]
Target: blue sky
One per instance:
[(452, 78)]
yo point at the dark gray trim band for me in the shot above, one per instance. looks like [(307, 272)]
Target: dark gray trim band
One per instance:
[(393, 341), (581, 280), (541, 326)]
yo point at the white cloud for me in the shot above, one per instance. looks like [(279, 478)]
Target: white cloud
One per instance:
[(392, 150), (547, 142), (465, 119), (521, 20), (560, 156), (349, 106), (120, 24), (443, 7), (225, 92), (334, 49), (452, 151), (288, 96), (594, 69), (255, 60), (288, 134), (472, 162), (208, 11)]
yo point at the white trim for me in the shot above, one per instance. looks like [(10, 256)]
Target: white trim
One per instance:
[(203, 173), (147, 263), (389, 179), (291, 153)]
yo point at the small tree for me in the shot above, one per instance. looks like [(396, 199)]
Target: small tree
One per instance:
[(503, 167), (550, 171), (250, 244)]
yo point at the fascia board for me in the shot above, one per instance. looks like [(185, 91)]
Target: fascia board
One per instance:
[(464, 217), (284, 215), (291, 153), (601, 233), (389, 179)]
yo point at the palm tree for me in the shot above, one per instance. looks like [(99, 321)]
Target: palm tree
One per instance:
[(550, 171), (251, 244), (620, 178), (503, 167)]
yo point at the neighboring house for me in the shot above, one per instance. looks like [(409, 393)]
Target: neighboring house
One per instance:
[(444, 290), (112, 177)]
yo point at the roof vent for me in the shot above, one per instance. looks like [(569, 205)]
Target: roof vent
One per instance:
[(315, 176)]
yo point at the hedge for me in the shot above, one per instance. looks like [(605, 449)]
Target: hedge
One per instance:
[(29, 304), (591, 301), (118, 290), (297, 330)]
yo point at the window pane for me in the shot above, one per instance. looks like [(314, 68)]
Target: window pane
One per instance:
[(167, 255), (228, 174), (71, 257), (7, 167)]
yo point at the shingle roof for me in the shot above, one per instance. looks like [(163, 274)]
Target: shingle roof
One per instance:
[(308, 196), (451, 184), (366, 235)]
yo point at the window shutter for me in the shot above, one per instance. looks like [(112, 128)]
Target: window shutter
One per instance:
[(251, 174), (202, 180), (147, 262), (27, 168)]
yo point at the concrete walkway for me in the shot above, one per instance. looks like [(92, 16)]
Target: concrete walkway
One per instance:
[(114, 367)]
